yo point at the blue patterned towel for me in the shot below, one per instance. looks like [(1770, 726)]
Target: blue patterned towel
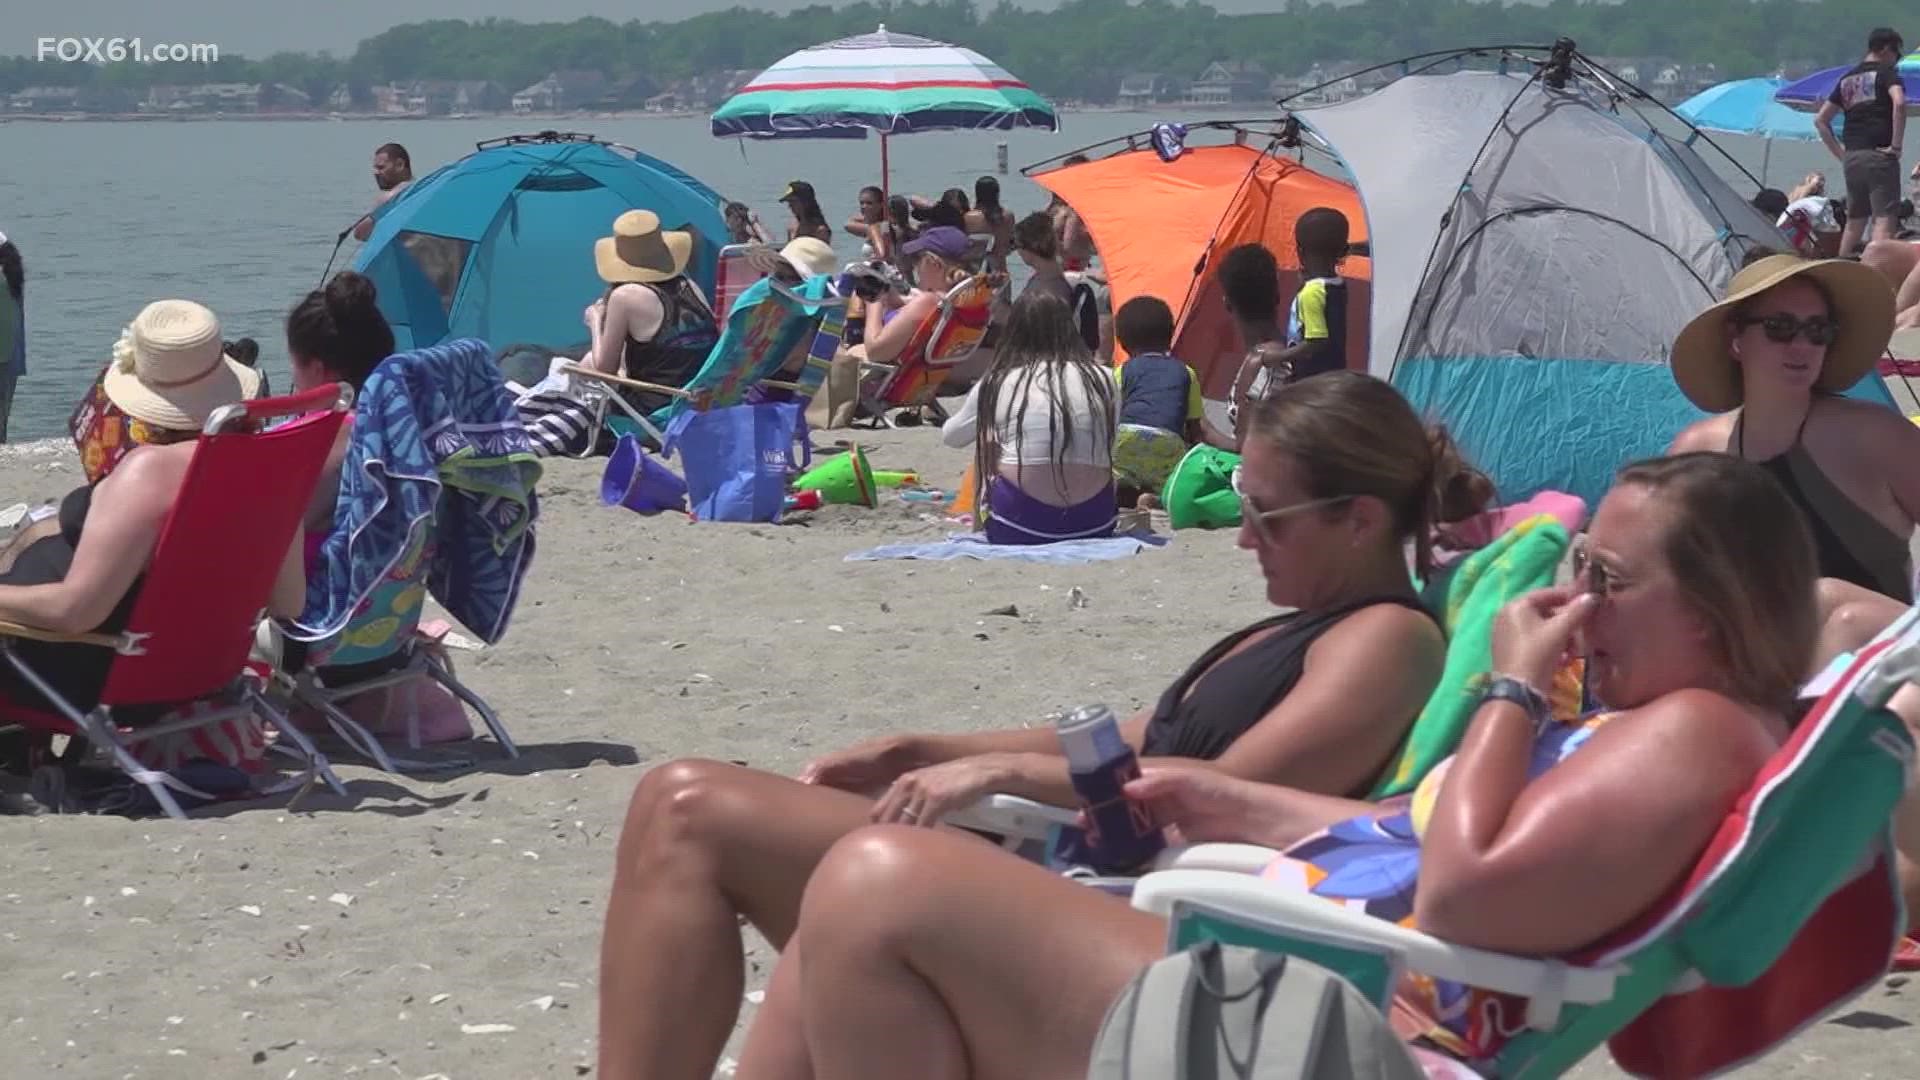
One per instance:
[(975, 546), (437, 445)]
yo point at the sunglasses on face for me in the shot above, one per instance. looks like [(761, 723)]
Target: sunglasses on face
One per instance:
[(1781, 328), (1258, 519), (1598, 577)]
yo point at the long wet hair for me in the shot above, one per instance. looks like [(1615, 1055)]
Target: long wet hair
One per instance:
[(1039, 353), (986, 199), (805, 207), (13, 270), (340, 327)]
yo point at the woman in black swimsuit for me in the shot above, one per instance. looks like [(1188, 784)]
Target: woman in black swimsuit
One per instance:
[(1771, 360), (1341, 479), (80, 571)]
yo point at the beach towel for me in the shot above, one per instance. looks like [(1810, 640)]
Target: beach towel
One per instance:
[(1520, 560), (765, 330), (437, 445), (975, 546)]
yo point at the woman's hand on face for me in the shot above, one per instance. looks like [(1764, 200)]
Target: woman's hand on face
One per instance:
[(1200, 804), (862, 767), (595, 314), (1533, 633), (923, 796)]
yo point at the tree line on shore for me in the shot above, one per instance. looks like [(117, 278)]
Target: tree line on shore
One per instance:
[(1078, 51)]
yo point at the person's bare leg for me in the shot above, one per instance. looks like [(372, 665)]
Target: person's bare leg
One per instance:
[(929, 955), (1850, 233), (776, 1046), (1907, 300), (1895, 259), (704, 843), (1850, 616)]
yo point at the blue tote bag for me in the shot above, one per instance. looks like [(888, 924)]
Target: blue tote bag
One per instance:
[(737, 459)]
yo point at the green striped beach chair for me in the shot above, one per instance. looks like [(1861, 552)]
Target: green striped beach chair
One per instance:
[(773, 324), (1792, 910)]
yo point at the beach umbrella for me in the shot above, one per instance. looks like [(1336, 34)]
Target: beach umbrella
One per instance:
[(894, 84), (1748, 107), (1808, 94)]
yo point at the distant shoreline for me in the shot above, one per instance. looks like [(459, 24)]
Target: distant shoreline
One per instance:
[(582, 114)]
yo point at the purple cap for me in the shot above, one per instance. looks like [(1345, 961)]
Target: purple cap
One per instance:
[(943, 240)]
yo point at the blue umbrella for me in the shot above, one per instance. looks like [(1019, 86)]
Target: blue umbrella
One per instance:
[(1748, 107), (1808, 94)]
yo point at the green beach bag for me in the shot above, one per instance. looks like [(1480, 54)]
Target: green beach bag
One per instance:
[(1199, 494)]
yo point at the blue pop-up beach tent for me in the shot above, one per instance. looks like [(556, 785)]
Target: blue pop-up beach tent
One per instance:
[(499, 245)]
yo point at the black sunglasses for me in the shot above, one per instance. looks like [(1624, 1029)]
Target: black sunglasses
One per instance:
[(1782, 328)]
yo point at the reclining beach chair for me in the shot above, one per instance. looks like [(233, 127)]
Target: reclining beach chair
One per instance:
[(178, 668), (739, 266), (1523, 558), (1792, 910), (772, 326), (436, 498), (943, 343)]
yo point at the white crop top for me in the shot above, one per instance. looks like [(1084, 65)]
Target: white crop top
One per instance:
[(1033, 444)]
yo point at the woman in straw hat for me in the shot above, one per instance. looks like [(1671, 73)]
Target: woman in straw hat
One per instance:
[(1771, 361), (653, 323), (80, 570)]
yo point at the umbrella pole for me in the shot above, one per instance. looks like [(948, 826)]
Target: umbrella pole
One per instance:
[(1766, 160), (886, 193)]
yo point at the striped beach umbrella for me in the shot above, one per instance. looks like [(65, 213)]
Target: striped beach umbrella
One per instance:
[(895, 84)]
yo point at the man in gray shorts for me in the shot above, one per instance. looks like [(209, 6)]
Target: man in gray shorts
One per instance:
[(1870, 96)]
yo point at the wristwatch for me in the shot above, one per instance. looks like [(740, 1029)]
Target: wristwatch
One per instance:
[(1519, 692)]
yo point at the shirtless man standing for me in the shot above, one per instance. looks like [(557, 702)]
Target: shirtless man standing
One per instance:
[(392, 171), (1076, 244)]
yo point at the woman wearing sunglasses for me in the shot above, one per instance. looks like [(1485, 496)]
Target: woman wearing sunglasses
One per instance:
[(1771, 360), (919, 954), (1338, 479)]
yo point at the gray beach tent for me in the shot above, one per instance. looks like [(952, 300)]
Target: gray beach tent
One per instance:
[(1535, 253)]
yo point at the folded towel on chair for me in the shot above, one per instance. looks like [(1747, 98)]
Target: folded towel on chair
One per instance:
[(975, 546), (431, 422), (1520, 560)]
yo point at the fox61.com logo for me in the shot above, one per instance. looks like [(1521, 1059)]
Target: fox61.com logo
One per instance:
[(121, 50)]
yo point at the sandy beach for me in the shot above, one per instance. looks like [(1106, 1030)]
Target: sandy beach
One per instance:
[(449, 927)]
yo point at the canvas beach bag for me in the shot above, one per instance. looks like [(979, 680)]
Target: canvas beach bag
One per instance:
[(1214, 1012)]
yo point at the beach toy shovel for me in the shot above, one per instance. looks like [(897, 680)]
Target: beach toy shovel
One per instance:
[(885, 479), (638, 482), (843, 479)]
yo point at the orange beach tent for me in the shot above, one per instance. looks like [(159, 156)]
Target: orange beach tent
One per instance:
[(1160, 227)]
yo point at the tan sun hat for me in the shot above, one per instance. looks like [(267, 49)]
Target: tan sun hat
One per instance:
[(170, 368), (811, 256), (1862, 301), (641, 251)]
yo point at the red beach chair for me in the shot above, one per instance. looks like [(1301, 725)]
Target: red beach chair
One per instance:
[(187, 641)]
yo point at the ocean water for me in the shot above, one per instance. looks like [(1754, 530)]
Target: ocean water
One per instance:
[(242, 215)]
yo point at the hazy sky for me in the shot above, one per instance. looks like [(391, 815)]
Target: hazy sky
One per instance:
[(258, 27)]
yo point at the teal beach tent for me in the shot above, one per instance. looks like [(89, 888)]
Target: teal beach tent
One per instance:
[(499, 244)]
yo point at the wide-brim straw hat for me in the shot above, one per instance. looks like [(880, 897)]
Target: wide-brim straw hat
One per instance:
[(811, 256), (170, 367), (1862, 300), (641, 251)]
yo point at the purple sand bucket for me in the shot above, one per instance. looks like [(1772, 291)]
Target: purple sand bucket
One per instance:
[(636, 481)]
